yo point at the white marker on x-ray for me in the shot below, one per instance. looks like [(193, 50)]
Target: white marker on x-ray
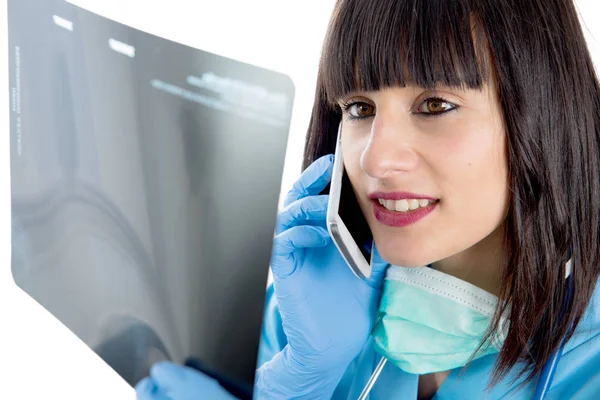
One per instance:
[(121, 47), (63, 23)]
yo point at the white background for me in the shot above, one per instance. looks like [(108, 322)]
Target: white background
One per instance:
[(39, 357)]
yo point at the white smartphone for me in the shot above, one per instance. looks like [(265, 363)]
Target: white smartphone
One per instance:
[(345, 221)]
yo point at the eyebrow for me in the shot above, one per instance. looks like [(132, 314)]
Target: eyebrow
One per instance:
[(436, 88)]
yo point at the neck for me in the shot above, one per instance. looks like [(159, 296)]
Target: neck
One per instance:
[(480, 265)]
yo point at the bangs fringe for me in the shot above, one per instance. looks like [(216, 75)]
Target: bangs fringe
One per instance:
[(386, 43)]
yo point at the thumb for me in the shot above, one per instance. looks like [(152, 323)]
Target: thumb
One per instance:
[(379, 267)]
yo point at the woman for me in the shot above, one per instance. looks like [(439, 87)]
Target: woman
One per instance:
[(486, 113)]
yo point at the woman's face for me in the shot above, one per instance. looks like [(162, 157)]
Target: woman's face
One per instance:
[(443, 151)]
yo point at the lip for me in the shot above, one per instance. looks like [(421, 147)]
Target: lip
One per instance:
[(398, 218), (399, 196)]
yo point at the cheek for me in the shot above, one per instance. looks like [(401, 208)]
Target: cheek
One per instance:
[(474, 177), (471, 176), (352, 149), (473, 152)]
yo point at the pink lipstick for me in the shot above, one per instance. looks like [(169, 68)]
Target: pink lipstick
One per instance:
[(401, 218)]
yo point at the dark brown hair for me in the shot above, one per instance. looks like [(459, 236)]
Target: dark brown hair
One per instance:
[(537, 55)]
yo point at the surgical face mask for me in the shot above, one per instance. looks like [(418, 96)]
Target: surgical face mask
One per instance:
[(429, 321)]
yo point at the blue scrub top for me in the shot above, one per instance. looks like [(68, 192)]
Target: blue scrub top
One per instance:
[(577, 375)]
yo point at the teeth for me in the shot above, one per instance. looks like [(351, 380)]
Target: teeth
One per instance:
[(401, 205), (413, 204), (404, 205)]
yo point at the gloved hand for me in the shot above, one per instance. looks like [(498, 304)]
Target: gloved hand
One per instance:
[(326, 311), (169, 381)]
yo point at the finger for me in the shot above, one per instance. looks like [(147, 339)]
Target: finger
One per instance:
[(312, 181), (169, 376), (158, 394), (145, 389), (308, 209), (286, 243), (176, 382)]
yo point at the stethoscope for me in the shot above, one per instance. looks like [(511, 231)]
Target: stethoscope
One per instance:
[(546, 376)]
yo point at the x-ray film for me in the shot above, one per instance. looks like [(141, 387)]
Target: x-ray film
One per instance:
[(145, 180)]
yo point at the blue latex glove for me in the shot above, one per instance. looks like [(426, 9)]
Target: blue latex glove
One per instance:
[(326, 311), (169, 381)]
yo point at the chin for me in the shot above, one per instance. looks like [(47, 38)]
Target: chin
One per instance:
[(401, 257)]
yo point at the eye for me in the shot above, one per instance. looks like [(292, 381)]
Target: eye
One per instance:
[(435, 106), (358, 110)]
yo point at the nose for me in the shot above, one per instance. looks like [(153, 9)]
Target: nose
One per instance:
[(390, 150)]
